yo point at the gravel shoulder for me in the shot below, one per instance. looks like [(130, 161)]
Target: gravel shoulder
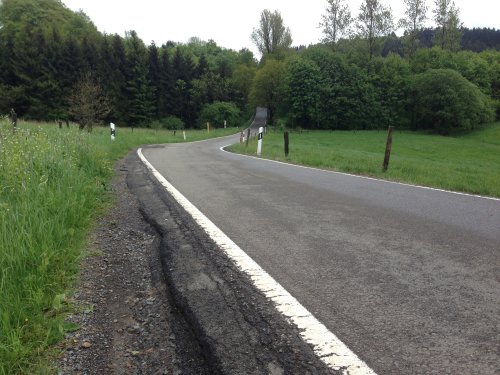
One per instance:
[(128, 324)]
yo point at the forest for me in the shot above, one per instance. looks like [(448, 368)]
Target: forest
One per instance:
[(54, 63)]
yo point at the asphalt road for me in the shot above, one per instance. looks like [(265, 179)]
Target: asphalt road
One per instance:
[(407, 277)]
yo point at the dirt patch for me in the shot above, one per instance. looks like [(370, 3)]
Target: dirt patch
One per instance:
[(127, 322)]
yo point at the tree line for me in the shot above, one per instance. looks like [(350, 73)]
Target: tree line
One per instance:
[(437, 90), (54, 63), (48, 52), (364, 77)]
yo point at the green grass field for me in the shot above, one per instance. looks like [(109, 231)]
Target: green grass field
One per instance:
[(467, 162), (53, 185)]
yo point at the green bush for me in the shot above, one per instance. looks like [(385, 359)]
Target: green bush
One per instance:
[(443, 100), (218, 112), (169, 123)]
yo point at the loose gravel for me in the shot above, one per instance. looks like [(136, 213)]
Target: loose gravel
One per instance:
[(127, 323)]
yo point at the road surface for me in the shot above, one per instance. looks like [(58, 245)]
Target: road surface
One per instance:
[(406, 277)]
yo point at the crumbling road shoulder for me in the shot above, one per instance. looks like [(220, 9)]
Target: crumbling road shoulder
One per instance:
[(128, 324), (157, 296), (238, 329)]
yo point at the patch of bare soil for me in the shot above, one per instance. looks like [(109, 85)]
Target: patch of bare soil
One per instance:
[(127, 322)]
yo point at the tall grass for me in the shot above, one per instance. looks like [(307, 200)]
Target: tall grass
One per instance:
[(50, 186), (467, 162), (53, 184)]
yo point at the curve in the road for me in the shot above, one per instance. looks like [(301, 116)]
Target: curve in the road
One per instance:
[(332, 351), (406, 277)]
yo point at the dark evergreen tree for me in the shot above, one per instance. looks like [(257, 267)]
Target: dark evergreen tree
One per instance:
[(167, 85), (117, 81), (9, 91), (54, 62), (153, 76), (478, 40), (202, 67), (140, 101), (183, 73)]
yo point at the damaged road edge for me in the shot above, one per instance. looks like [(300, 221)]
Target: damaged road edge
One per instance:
[(211, 283), (238, 328)]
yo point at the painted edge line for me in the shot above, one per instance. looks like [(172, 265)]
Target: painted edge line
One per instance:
[(223, 149), (333, 352)]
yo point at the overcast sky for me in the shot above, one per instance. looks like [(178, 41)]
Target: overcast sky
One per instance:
[(230, 22)]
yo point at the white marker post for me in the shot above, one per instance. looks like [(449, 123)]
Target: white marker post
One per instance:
[(225, 124), (259, 142), (113, 131), (184, 134)]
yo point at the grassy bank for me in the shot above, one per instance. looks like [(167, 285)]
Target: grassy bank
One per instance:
[(53, 184), (467, 162)]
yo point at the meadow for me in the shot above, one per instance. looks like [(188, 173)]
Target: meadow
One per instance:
[(466, 162), (54, 183)]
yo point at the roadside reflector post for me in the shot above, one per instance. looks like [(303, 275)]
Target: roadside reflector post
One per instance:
[(259, 142), (248, 136), (113, 130), (184, 134), (225, 124), (388, 149), (286, 143)]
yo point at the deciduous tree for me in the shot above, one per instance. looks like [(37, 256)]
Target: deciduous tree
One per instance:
[(446, 16), (89, 104), (413, 23), (374, 20), (336, 22), (271, 36), (303, 81), (267, 90)]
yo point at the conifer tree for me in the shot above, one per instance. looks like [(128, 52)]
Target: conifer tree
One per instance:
[(167, 86), (153, 76), (140, 101)]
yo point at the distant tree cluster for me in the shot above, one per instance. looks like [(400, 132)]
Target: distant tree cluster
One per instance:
[(55, 65), (437, 90), (362, 76), (52, 58)]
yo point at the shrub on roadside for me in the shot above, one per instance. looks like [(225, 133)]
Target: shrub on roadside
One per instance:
[(443, 100), (218, 112), (169, 123)]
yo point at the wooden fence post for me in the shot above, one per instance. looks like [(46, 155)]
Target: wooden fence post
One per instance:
[(388, 149), (286, 143)]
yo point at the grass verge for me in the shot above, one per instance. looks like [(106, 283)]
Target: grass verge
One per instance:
[(467, 162), (53, 185)]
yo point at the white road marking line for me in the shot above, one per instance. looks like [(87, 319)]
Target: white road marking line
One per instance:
[(362, 177), (333, 352)]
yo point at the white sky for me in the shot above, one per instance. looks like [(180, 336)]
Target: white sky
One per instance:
[(230, 22)]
